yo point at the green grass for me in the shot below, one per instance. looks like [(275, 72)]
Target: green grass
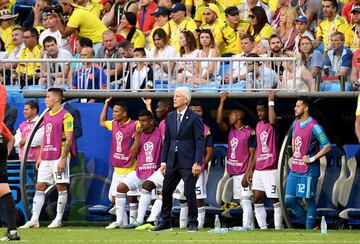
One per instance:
[(88, 235)]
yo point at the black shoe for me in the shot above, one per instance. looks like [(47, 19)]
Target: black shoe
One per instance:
[(192, 228), (11, 237), (162, 227)]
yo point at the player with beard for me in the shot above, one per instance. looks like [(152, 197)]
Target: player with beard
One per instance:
[(301, 184)]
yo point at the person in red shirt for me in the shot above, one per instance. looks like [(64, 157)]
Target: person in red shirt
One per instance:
[(7, 141), (2, 102), (146, 21), (346, 11)]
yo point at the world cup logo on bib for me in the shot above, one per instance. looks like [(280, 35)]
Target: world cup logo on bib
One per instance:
[(148, 148), (119, 138), (297, 147), (263, 139), (233, 144), (48, 129)]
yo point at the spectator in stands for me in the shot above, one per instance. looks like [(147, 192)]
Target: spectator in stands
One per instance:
[(187, 69), (275, 19), (92, 6), (112, 20), (17, 36), (89, 76), (347, 13), (145, 18), (259, 76), (199, 14), (286, 29), (276, 48), (30, 72), (179, 22), (258, 3), (52, 29), (107, 5), (259, 26), (352, 39), (226, 38), (128, 30), (308, 8), (301, 30), (338, 58), (141, 76), (161, 18), (81, 20), (262, 48), (3, 53), (110, 50), (54, 73), (168, 4), (238, 70), (208, 71), (355, 71), (34, 17), (311, 58), (31, 110), (332, 23), (162, 49), (126, 50), (79, 45), (7, 26)]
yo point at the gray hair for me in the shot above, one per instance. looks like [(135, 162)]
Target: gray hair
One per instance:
[(185, 92)]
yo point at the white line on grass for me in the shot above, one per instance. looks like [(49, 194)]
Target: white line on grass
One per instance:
[(211, 241)]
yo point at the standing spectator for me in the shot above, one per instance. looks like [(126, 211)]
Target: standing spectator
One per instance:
[(338, 58), (81, 20), (93, 7), (307, 136), (34, 17), (332, 23), (311, 58), (178, 23), (141, 76), (7, 26), (286, 29), (128, 30), (31, 111), (145, 18), (301, 30), (54, 73), (182, 157), (112, 20), (89, 76), (259, 26), (110, 50), (352, 39)]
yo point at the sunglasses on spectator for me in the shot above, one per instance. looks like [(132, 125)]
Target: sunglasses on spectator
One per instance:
[(251, 16)]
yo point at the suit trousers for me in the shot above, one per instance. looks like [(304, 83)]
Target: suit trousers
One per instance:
[(171, 180)]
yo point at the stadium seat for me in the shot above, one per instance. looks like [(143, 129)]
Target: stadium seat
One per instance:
[(237, 87), (331, 84), (210, 87), (161, 86), (14, 94)]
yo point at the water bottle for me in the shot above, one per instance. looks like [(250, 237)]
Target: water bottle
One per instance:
[(217, 224), (323, 225)]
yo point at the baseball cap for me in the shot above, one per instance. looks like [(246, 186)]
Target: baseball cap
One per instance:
[(301, 18), (160, 11), (356, 9), (232, 11), (103, 2), (178, 7)]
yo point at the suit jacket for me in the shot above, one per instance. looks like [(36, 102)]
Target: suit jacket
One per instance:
[(10, 117), (190, 141)]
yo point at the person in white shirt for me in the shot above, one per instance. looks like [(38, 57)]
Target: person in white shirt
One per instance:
[(17, 36), (141, 76)]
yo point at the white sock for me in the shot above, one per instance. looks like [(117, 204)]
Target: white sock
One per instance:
[(155, 210), (183, 218), (248, 213), (125, 220), (277, 216), (260, 214), (38, 203), (144, 202), (61, 204), (133, 210), (120, 201), (201, 217)]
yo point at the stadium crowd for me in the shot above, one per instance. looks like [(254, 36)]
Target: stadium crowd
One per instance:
[(322, 35)]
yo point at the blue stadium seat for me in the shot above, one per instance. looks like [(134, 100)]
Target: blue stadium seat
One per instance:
[(210, 87), (237, 87), (334, 87), (224, 68), (161, 86), (14, 94)]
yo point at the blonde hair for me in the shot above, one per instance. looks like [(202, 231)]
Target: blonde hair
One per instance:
[(185, 92), (290, 14)]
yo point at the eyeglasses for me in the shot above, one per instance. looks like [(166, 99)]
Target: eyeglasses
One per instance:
[(251, 16)]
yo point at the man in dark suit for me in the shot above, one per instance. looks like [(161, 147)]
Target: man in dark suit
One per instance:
[(182, 157)]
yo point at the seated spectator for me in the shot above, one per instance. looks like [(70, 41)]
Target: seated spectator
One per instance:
[(302, 80), (187, 69), (346, 11), (31, 110), (145, 19), (141, 76), (262, 48), (52, 29), (128, 30), (352, 35), (34, 17), (161, 18), (7, 25), (3, 53), (17, 37), (79, 45), (311, 58), (338, 59), (54, 73), (162, 70), (355, 71), (301, 30), (208, 71), (286, 29), (126, 50), (89, 76), (107, 5), (250, 4), (110, 50), (259, 26), (30, 72), (199, 13), (112, 20), (82, 21), (276, 51), (259, 76)]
